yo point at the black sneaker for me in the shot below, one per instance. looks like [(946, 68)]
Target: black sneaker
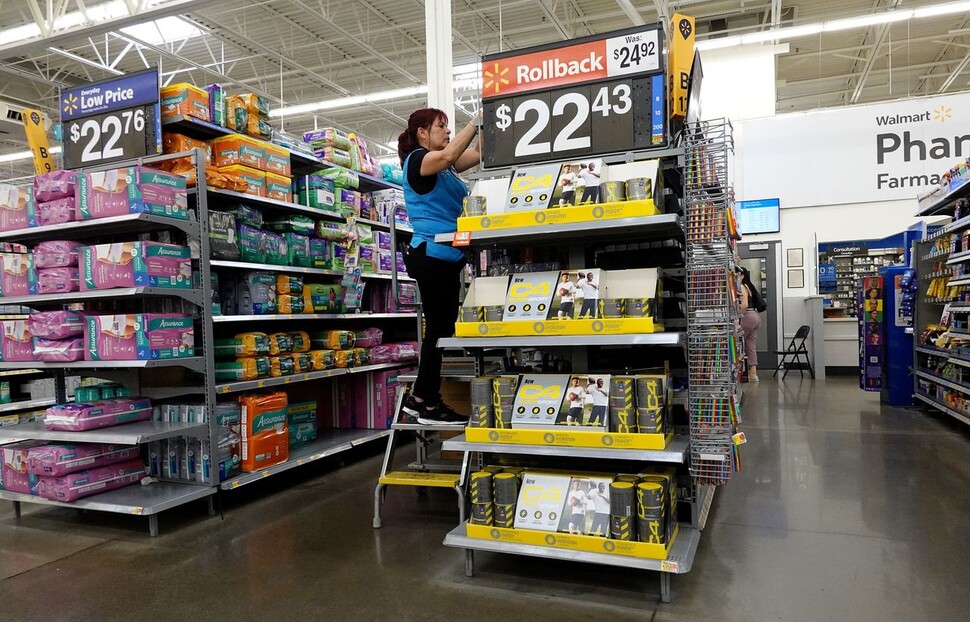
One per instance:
[(441, 414), (409, 410)]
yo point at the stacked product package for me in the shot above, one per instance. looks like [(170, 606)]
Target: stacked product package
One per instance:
[(343, 149), (345, 405), (192, 459)]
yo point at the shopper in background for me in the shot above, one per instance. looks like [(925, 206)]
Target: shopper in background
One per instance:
[(750, 322), (433, 195)]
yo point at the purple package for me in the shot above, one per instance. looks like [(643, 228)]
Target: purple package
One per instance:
[(369, 338), (56, 212), (58, 280), (56, 254), (408, 350), (381, 354), (384, 261), (401, 266), (63, 458), (366, 206), (383, 240), (15, 342), (101, 414), (56, 324), (55, 185), (74, 486), (59, 350)]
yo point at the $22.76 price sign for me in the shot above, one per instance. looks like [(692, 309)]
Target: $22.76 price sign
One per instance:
[(583, 98), (110, 137)]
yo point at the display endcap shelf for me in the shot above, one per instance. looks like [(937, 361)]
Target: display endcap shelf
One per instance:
[(139, 500), (680, 556), (674, 452), (79, 229), (313, 316), (654, 339), (124, 434), (327, 443), (659, 226)]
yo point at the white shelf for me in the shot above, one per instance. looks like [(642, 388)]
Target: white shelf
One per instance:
[(125, 434), (647, 339), (964, 417), (387, 277), (959, 281), (675, 453), (25, 405), (680, 557), (313, 316), (952, 384), (267, 267), (286, 206), (327, 443), (128, 223), (195, 363), (192, 295), (262, 383), (140, 500), (958, 258)]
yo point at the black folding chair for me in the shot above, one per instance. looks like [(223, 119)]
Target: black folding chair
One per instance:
[(795, 350)]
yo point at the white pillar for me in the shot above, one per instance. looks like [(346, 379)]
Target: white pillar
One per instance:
[(437, 17)]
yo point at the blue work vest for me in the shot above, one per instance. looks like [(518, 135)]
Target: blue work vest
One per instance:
[(436, 212)]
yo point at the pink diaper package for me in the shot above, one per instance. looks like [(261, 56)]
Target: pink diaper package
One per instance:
[(369, 338), (59, 350), (63, 458), (138, 337), (15, 273), (74, 486), (55, 212), (16, 207), (135, 264), (381, 354), (14, 475), (16, 344), (132, 190), (55, 185), (100, 414), (57, 280), (56, 254), (56, 324)]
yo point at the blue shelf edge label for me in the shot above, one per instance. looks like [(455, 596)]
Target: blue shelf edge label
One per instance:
[(114, 94)]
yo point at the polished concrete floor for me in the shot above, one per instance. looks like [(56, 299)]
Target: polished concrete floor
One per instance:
[(845, 510)]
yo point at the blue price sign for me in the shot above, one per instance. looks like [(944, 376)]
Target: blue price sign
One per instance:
[(110, 121)]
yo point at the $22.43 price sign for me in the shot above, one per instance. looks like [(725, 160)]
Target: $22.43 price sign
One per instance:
[(110, 137), (584, 98)]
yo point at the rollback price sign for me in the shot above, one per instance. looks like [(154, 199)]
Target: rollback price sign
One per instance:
[(584, 97), (110, 121)]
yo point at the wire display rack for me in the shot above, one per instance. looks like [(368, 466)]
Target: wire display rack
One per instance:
[(713, 338)]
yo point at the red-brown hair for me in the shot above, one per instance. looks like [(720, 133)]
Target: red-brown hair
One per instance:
[(422, 117)]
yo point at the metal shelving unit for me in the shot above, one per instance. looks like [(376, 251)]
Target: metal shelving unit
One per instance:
[(126, 434), (956, 414), (52, 300), (266, 267), (80, 229), (219, 319), (24, 405), (195, 363), (673, 339)]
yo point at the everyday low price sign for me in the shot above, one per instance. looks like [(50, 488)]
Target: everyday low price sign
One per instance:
[(113, 120)]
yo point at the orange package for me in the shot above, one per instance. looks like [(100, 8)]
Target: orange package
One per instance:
[(238, 149), (184, 99), (173, 142), (264, 435)]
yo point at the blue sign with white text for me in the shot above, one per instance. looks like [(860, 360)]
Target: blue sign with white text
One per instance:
[(114, 94)]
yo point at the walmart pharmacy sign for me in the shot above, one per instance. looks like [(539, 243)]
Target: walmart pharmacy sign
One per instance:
[(115, 94)]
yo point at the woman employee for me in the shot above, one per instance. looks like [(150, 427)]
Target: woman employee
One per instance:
[(433, 195)]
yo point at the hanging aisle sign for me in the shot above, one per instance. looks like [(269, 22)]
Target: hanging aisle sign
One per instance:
[(585, 97), (113, 120)]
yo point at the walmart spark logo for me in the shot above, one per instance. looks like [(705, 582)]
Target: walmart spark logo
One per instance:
[(943, 114), (70, 104), (495, 77)]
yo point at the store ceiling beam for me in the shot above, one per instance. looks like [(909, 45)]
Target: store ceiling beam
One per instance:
[(71, 35), (868, 65), (554, 20), (356, 39), (955, 74), (955, 34)]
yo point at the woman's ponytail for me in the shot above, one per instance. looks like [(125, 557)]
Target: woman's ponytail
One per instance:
[(408, 140)]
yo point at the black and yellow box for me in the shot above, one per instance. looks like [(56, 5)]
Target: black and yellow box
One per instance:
[(571, 542), (560, 215), (568, 437)]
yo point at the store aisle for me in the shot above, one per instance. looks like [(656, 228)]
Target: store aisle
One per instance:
[(844, 511)]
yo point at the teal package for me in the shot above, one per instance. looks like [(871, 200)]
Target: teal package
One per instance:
[(301, 412), (298, 249), (319, 253)]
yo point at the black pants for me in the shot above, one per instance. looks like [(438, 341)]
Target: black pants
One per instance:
[(440, 287)]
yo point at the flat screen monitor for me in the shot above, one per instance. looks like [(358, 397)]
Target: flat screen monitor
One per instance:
[(761, 216)]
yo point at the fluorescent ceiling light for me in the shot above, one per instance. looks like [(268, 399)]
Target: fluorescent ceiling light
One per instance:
[(835, 25), (346, 102), (23, 155)]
